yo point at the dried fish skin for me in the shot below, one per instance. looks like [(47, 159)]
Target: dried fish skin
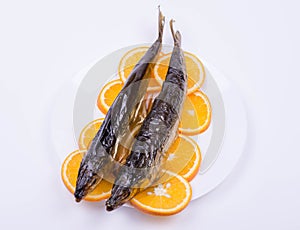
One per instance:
[(95, 164), (158, 131)]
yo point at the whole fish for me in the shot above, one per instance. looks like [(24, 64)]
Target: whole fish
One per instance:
[(115, 125), (158, 131)]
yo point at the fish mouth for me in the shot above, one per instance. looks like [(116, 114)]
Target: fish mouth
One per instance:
[(109, 206), (120, 195), (86, 182), (83, 189), (79, 195)]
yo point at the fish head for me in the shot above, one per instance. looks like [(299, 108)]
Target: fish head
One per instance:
[(86, 182), (119, 196)]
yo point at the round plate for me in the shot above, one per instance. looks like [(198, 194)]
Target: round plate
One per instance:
[(221, 145)]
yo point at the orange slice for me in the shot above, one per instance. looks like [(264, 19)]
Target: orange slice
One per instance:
[(129, 60), (166, 198), (184, 157), (194, 68), (69, 171), (196, 114), (108, 94), (88, 133)]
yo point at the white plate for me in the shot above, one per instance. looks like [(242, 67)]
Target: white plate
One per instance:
[(74, 107)]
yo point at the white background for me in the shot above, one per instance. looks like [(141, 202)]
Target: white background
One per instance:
[(255, 43)]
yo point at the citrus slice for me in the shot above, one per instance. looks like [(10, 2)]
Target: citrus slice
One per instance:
[(108, 94), (88, 133), (184, 157), (196, 114), (194, 69), (69, 171), (129, 60), (166, 198)]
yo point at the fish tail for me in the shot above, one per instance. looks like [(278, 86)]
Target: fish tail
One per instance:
[(176, 35), (161, 23)]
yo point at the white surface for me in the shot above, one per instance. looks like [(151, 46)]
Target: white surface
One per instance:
[(254, 42)]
